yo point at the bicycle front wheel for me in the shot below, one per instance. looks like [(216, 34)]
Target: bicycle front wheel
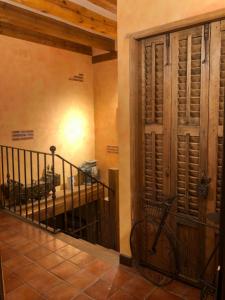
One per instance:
[(158, 265)]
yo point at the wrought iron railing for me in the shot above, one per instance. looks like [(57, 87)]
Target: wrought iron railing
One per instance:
[(48, 190)]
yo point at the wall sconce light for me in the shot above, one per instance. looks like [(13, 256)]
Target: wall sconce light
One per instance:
[(73, 127)]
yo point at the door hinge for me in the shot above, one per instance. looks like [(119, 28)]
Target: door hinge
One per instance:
[(206, 39), (203, 186), (167, 49), (206, 32)]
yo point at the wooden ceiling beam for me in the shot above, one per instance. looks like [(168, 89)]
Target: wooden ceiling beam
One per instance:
[(106, 4), (35, 37), (104, 57), (26, 20), (75, 14)]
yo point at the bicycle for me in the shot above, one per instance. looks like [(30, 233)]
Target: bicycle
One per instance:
[(156, 256)]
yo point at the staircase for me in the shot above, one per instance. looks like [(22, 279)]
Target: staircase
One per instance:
[(49, 191)]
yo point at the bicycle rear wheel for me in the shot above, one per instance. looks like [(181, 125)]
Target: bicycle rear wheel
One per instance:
[(159, 266), (207, 293)]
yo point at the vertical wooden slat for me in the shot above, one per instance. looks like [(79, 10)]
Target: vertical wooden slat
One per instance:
[(153, 167), (188, 86), (167, 90), (174, 105), (187, 144), (221, 282), (220, 113), (204, 119), (221, 278), (140, 136), (153, 83)]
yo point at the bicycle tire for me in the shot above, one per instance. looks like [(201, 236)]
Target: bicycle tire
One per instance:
[(207, 293), (160, 267)]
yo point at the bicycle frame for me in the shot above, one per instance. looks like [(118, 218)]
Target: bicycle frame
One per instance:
[(167, 206), (162, 225)]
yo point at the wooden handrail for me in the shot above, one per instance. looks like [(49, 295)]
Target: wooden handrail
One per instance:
[(2, 290)]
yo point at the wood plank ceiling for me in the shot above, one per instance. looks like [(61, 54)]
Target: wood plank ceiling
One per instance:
[(106, 4), (61, 23)]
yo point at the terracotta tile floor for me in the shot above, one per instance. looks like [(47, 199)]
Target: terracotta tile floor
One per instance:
[(37, 265)]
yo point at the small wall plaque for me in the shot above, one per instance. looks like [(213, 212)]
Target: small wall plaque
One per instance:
[(112, 149), (22, 135), (78, 77)]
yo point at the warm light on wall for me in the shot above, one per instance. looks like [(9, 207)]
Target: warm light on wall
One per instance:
[(73, 127)]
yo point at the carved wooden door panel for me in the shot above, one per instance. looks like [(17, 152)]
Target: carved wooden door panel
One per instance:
[(189, 141), (216, 115), (216, 110), (183, 93), (156, 128), (156, 102)]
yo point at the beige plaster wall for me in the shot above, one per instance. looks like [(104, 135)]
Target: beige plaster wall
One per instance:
[(106, 103), (36, 94), (141, 15)]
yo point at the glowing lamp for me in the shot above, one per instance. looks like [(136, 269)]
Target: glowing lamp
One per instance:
[(74, 127)]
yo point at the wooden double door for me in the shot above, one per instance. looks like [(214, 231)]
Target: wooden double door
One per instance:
[(182, 101)]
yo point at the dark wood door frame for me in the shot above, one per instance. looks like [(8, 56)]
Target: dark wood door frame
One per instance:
[(134, 39), (221, 281)]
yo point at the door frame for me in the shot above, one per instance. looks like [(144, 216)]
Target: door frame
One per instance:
[(135, 115), (221, 279)]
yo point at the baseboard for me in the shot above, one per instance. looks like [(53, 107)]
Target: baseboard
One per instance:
[(125, 260)]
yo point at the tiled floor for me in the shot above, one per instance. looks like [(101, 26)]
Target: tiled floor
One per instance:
[(37, 266)]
